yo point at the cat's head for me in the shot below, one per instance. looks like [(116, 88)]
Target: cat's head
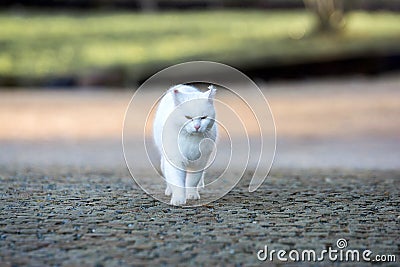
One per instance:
[(195, 109)]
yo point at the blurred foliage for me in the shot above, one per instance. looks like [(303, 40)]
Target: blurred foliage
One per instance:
[(36, 45), (179, 4), (329, 13)]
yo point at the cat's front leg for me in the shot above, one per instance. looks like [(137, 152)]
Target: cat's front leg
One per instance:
[(176, 183), (168, 190), (192, 183)]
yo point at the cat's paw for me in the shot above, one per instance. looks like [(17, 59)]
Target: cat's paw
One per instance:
[(168, 191), (178, 201), (192, 194)]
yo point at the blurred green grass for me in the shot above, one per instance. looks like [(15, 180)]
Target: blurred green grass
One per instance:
[(36, 45)]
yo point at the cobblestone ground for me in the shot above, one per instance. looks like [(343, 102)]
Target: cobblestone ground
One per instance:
[(101, 218)]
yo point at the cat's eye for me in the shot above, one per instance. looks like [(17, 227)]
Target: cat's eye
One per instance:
[(203, 118), (188, 117)]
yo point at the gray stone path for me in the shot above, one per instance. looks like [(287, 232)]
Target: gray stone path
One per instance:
[(90, 217)]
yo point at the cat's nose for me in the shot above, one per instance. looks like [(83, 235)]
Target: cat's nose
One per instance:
[(197, 127)]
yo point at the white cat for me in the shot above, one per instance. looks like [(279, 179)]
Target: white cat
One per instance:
[(183, 122)]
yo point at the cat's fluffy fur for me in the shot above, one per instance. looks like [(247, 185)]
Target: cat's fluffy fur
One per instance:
[(183, 122)]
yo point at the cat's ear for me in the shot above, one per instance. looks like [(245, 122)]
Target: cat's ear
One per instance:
[(211, 93), (177, 95)]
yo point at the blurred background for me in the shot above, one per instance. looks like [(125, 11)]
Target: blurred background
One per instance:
[(330, 70)]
